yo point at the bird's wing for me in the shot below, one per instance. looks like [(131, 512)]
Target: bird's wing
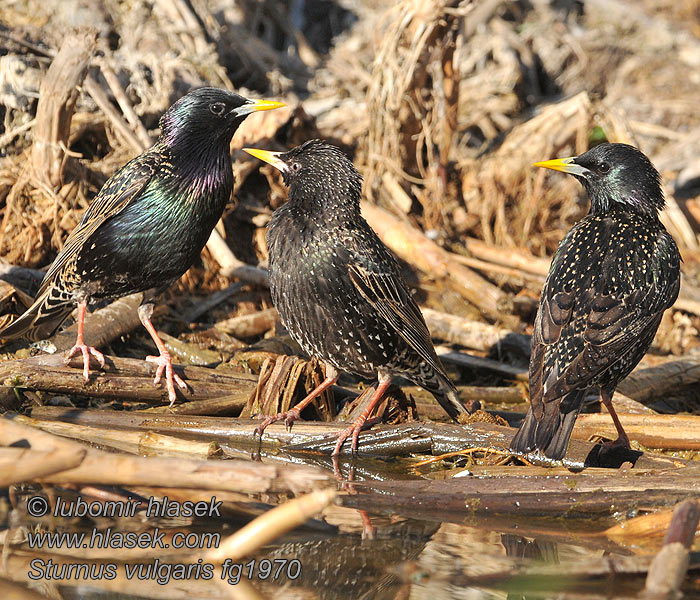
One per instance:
[(116, 194), (385, 291), (600, 325)]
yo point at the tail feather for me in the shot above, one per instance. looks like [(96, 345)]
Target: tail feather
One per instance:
[(40, 320), (447, 396), (551, 434)]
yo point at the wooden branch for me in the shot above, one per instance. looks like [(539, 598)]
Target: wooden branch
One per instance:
[(231, 266), (670, 432), (479, 363), (98, 467), (128, 110), (508, 257), (57, 97), (122, 378), (120, 125), (104, 325), (25, 279), (412, 246), (657, 381), (473, 334), (245, 326)]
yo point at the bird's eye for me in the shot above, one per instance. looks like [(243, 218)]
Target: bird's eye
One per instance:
[(217, 108), (295, 167), (604, 167)]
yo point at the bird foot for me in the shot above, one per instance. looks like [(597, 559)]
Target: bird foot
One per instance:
[(361, 423), (620, 442), (165, 363), (289, 417), (86, 351)]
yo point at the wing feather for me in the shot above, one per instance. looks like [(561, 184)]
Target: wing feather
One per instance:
[(116, 194), (388, 296)]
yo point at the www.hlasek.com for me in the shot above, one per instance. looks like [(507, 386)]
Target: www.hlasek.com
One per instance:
[(162, 572)]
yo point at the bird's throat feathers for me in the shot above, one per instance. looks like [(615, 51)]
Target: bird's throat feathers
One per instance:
[(337, 198), (202, 169), (636, 200)]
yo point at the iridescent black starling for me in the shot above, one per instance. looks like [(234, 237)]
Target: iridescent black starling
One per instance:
[(147, 225), (338, 288), (611, 279)]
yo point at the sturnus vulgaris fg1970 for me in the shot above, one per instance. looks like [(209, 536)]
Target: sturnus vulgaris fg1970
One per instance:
[(338, 288), (611, 279), (148, 223)]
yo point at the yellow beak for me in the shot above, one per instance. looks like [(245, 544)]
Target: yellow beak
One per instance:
[(266, 105), (567, 165), (255, 106), (269, 157)]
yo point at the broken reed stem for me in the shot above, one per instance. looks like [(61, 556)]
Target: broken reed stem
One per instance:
[(411, 245), (472, 334), (667, 570), (271, 525), (22, 464), (230, 266), (245, 326), (57, 97), (124, 103), (147, 442), (120, 125)]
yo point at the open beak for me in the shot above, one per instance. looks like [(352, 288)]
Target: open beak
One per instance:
[(567, 165), (257, 105), (269, 157)]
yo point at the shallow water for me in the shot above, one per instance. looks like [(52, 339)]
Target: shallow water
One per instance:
[(356, 555)]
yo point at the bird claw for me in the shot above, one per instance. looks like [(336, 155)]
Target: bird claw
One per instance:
[(86, 351), (165, 363), (289, 417), (354, 430)]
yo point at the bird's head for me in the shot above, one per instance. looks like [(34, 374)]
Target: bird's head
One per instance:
[(208, 115), (614, 175), (317, 172)]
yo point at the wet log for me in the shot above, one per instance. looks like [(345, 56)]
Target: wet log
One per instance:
[(98, 467), (319, 437), (585, 494), (122, 378)]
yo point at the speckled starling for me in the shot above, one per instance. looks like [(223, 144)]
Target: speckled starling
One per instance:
[(338, 288), (147, 225), (611, 279)]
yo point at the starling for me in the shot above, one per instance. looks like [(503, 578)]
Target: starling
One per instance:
[(147, 225), (611, 279), (338, 288)]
